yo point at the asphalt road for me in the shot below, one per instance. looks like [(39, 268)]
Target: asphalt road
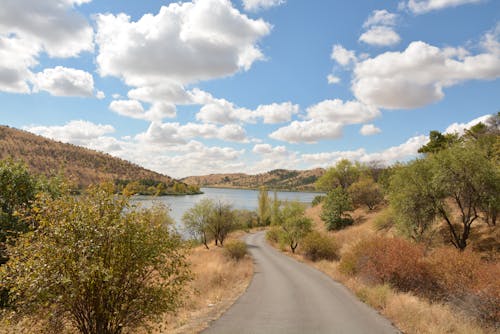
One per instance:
[(286, 296)]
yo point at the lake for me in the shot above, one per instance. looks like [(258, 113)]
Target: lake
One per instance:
[(238, 198)]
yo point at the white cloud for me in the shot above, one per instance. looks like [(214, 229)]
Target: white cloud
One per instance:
[(254, 5), (134, 109), (369, 130), (461, 127), (63, 81), (276, 112), (309, 131), (424, 6), (416, 76), (184, 43), (76, 132), (54, 25), (266, 149), (16, 58), (332, 79), (380, 17), (100, 95), (343, 56), (349, 112), (380, 36)]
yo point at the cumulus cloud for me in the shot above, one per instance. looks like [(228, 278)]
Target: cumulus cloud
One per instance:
[(254, 5), (266, 149), (380, 36), (460, 128), (369, 130), (380, 17), (100, 95), (63, 81), (309, 131), (184, 43), (343, 56), (416, 76), (54, 25), (76, 132), (424, 6), (16, 58), (332, 79), (134, 109), (276, 112)]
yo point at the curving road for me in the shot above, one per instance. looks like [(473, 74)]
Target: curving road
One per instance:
[(286, 296)]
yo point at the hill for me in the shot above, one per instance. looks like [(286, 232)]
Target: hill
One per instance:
[(280, 179), (83, 166)]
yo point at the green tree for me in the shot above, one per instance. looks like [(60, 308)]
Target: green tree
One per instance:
[(438, 142), (294, 224), (366, 192), (343, 174), (335, 207), (221, 222), (412, 197), (197, 220), (264, 207), (275, 209), (96, 263)]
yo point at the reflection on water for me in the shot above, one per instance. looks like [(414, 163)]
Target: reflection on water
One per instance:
[(239, 198)]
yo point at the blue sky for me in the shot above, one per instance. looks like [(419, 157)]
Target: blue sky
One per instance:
[(208, 86)]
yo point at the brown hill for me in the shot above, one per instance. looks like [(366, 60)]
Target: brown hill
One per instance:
[(280, 179), (83, 166)]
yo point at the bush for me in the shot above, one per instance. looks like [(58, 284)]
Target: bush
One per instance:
[(273, 234), (385, 220), (235, 249), (317, 200), (317, 246), (394, 261)]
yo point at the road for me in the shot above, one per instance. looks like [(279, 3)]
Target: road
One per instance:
[(286, 296)]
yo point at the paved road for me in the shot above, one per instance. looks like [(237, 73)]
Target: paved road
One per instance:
[(286, 296)]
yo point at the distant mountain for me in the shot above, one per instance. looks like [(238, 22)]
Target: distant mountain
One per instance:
[(83, 166), (280, 179)]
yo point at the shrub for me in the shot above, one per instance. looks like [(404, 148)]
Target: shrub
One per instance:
[(317, 200), (317, 246), (335, 207), (394, 261), (385, 220), (235, 249), (273, 234)]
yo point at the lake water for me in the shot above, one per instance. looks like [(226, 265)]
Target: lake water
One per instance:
[(238, 198)]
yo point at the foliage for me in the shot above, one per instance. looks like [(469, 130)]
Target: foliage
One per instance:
[(385, 220), (245, 219), (343, 174), (317, 246), (318, 199), (366, 192), (294, 224), (221, 222), (96, 262), (412, 198), (235, 249), (275, 209), (264, 207), (197, 219), (438, 142), (335, 206), (273, 234), (150, 187)]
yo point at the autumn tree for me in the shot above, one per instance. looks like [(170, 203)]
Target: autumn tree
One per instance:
[(343, 174), (197, 220), (221, 222), (365, 192), (96, 263)]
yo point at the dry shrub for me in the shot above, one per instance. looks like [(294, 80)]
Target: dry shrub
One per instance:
[(235, 249), (273, 234), (466, 281), (381, 260), (376, 296), (317, 246)]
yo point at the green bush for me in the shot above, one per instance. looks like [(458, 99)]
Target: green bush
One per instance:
[(235, 249), (385, 220), (317, 246), (273, 234), (317, 200)]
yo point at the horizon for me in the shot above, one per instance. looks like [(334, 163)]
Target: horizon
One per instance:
[(203, 87)]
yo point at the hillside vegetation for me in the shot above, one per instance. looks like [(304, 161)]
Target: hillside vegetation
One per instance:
[(280, 179), (83, 166)]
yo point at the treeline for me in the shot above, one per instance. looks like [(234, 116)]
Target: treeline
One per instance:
[(151, 187)]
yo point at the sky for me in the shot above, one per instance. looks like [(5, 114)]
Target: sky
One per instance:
[(219, 86)]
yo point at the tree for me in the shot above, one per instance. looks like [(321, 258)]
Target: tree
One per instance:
[(197, 220), (463, 175), (275, 209), (97, 263), (412, 197), (438, 142), (221, 222), (365, 192), (335, 206), (264, 207), (343, 174), (294, 224)]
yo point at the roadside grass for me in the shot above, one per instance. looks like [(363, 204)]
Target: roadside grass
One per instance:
[(408, 312)]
